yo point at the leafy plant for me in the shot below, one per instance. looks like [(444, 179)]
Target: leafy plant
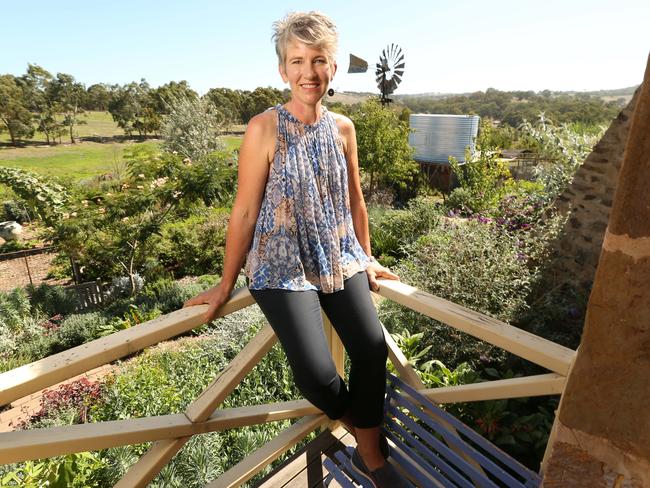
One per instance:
[(393, 231), (564, 150), (384, 152), (45, 197), (52, 299), (78, 470), (77, 395), (482, 176)]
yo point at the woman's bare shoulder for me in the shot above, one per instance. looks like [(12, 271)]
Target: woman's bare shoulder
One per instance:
[(344, 123), (264, 122), (261, 134), (346, 130)]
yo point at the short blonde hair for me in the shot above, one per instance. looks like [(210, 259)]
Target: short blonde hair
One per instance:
[(312, 28)]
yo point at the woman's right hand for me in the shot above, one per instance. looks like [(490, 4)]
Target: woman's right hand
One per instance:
[(213, 297)]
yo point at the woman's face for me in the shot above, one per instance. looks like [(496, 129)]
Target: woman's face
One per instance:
[(308, 72)]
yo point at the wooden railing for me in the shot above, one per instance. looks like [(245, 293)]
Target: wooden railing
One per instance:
[(170, 432)]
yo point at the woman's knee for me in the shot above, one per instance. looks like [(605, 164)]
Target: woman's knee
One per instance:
[(316, 378), (370, 352)]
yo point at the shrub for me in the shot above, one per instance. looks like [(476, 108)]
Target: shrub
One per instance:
[(194, 246), (52, 299), (192, 127), (483, 174), (77, 396), (14, 306), (78, 329), (77, 470), (392, 231), (460, 200), (15, 210), (470, 263), (167, 295)]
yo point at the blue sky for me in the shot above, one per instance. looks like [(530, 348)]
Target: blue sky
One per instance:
[(449, 46)]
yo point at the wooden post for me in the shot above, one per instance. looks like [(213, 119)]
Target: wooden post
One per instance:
[(338, 355), (29, 273), (336, 346)]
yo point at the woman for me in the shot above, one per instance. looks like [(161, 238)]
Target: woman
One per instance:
[(300, 220)]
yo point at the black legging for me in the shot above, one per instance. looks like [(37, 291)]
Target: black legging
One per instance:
[(296, 319)]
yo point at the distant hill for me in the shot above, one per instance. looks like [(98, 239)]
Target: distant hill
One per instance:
[(349, 98)]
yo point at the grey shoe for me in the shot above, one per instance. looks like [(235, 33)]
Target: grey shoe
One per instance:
[(384, 477)]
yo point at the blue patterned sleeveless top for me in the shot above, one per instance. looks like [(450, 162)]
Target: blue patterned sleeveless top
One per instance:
[(304, 236)]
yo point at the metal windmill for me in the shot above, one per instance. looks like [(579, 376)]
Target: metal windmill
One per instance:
[(389, 70)]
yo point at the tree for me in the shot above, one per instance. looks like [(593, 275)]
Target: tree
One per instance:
[(14, 112), (160, 98), (40, 101), (384, 151), (127, 106), (69, 97), (228, 102), (258, 101), (97, 97)]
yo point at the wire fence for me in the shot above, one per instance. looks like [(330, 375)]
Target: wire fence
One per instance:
[(21, 268)]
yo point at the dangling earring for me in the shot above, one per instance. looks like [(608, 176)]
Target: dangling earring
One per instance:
[(330, 92)]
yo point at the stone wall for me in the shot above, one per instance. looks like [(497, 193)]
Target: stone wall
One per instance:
[(589, 199)]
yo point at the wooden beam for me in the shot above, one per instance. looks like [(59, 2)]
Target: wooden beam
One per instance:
[(49, 371), (257, 460), (517, 341), (402, 365), (151, 463), (54, 441), (336, 346), (201, 408), (146, 469), (529, 386)]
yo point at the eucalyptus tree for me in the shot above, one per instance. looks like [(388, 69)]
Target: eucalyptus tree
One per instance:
[(68, 96), (14, 110), (41, 102)]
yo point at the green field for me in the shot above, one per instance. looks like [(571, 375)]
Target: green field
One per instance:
[(74, 161), (82, 160), (98, 124)]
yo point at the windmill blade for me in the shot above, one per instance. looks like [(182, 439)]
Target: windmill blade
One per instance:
[(357, 65), (390, 69)]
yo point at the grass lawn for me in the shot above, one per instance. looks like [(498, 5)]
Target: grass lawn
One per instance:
[(97, 124), (82, 160), (74, 161)]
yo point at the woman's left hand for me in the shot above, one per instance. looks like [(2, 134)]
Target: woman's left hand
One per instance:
[(376, 270)]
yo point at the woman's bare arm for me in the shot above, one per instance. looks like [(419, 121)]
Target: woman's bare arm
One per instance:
[(255, 154), (357, 203)]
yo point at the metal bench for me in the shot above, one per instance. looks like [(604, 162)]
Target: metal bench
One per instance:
[(431, 448)]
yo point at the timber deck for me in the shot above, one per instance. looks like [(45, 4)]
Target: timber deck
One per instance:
[(305, 468)]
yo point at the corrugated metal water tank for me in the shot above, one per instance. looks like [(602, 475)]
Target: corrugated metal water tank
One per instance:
[(435, 137)]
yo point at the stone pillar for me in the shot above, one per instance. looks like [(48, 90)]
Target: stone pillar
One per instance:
[(589, 199), (601, 437)]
